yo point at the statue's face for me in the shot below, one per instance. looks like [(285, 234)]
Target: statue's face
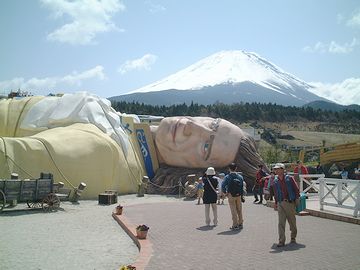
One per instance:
[(197, 142)]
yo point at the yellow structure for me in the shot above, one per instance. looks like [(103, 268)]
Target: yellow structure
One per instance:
[(342, 152), (74, 151), (334, 154)]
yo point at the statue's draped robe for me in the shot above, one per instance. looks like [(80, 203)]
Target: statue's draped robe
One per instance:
[(77, 138)]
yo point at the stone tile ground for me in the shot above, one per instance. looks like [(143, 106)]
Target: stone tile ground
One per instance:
[(181, 241)]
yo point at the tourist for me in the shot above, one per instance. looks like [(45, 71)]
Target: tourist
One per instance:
[(301, 169), (259, 184), (210, 195), (357, 172), (221, 195), (233, 186), (200, 190), (268, 183), (319, 169), (287, 195)]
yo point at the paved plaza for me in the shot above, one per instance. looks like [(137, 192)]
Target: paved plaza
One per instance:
[(180, 239), (86, 236)]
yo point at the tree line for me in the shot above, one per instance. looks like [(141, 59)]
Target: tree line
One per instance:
[(242, 112)]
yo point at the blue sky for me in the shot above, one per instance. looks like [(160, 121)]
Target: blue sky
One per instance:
[(111, 47)]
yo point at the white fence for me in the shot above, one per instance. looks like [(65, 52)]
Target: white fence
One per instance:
[(343, 193), (313, 184)]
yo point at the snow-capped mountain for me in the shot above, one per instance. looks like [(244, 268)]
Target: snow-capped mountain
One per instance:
[(228, 77)]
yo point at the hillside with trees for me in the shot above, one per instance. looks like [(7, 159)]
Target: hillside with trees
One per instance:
[(346, 121)]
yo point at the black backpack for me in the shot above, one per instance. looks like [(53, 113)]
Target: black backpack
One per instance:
[(236, 184)]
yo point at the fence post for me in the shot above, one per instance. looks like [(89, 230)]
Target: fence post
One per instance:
[(357, 205), (339, 192), (141, 188), (301, 183), (321, 182)]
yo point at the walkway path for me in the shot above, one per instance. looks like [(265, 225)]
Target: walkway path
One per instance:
[(181, 241), (85, 237)]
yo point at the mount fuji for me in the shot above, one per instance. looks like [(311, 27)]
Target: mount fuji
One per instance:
[(227, 77)]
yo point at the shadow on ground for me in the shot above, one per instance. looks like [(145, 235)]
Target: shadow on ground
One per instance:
[(288, 247)]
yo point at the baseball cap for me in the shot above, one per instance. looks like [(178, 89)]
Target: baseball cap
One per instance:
[(279, 166)]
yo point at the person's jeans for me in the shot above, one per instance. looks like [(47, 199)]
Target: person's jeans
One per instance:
[(258, 191)]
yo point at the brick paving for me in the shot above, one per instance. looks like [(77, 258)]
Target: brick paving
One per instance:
[(180, 239)]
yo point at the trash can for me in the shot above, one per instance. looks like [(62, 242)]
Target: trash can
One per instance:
[(302, 203)]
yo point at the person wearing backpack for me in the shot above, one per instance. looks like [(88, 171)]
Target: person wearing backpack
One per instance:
[(210, 195), (287, 195), (268, 186), (233, 185)]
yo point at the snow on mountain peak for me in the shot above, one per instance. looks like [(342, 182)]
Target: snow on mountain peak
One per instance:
[(227, 67)]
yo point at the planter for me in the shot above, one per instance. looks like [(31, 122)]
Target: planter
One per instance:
[(128, 267), (118, 211), (141, 234)]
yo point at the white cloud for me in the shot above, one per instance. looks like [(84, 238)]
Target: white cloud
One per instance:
[(318, 47), (354, 20), (77, 78), (50, 83), (87, 19), (332, 47), (345, 93), (155, 8), (340, 18), (143, 63)]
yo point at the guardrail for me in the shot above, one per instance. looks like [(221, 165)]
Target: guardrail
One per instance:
[(309, 179), (344, 193), (335, 189)]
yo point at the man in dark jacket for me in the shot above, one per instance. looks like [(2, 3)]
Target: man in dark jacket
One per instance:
[(259, 184), (233, 185)]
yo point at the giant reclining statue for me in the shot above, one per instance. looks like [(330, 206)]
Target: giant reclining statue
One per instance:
[(81, 138)]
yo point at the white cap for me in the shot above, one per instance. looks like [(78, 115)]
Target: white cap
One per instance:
[(210, 171), (279, 166)]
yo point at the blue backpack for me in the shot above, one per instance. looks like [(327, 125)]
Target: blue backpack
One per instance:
[(235, 185)]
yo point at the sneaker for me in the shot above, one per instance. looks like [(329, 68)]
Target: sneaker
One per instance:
[(234, 228), (281, 244), (256, 200), (240, 227), (260, 202), (293, 241)]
